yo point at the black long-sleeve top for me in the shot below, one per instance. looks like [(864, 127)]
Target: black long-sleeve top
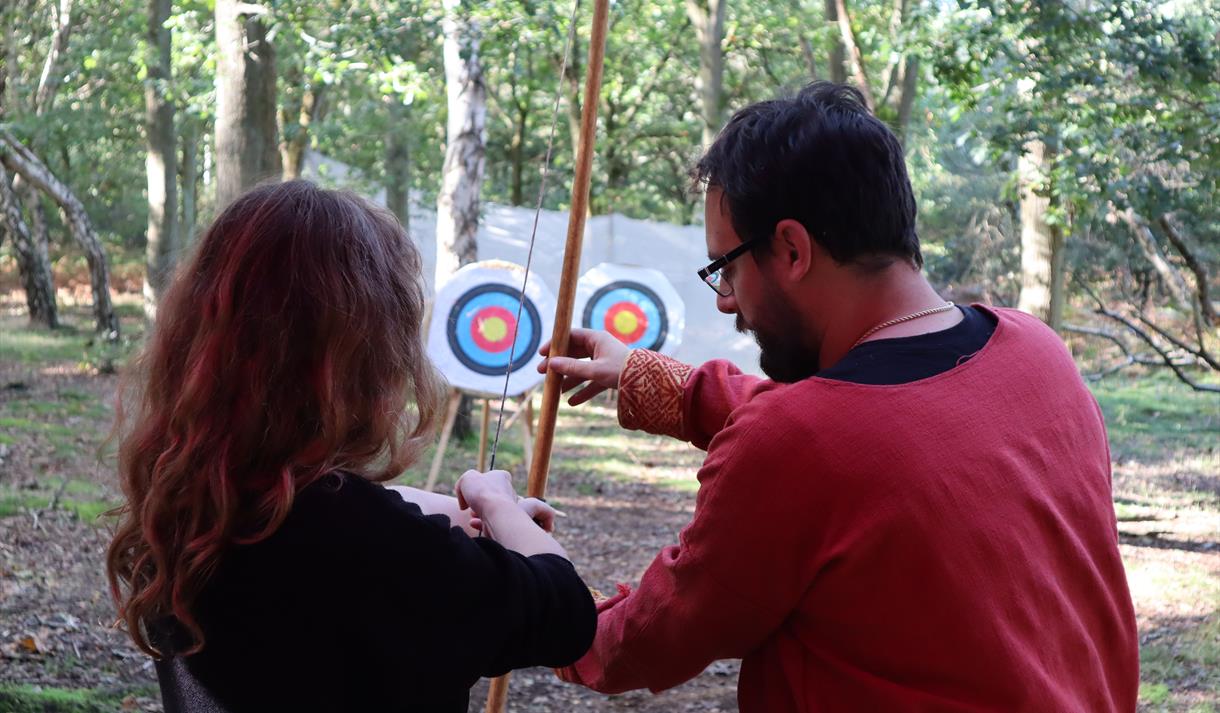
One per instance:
[(360, 602)]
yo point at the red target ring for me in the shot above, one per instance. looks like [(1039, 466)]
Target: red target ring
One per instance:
[(626, 321), (493, 329)]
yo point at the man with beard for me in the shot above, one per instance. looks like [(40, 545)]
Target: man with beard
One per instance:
[(914, 512)]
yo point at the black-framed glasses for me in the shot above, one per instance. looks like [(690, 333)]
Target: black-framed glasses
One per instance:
[(711, 274)]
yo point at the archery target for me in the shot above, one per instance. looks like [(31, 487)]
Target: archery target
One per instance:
[(480, 324), (635, 304)]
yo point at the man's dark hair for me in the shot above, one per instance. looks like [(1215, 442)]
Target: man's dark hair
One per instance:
[(820, 158)]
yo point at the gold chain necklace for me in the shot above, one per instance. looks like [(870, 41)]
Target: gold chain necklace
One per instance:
[(946, 306)]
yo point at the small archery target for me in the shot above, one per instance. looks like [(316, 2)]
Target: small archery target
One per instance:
[(481, 328), (635, 304)]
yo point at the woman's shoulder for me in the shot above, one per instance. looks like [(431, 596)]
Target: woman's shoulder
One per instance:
[(342, 492)]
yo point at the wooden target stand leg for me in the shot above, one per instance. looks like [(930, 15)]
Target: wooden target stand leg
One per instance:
[(455, 398), (483, 435), (524, 408)]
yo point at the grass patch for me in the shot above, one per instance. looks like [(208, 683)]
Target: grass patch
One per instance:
[(46, 699), (1152, 694), (88, 508), (13, 504), (1191, 657), (32, 345), (1155, 417)]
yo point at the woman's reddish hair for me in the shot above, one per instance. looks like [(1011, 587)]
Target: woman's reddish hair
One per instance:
[(287, 346)]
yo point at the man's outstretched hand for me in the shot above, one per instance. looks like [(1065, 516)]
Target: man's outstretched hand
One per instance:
[(594, 357)]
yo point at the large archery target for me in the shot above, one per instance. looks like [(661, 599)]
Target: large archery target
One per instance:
[(475, 328), (635, 304)]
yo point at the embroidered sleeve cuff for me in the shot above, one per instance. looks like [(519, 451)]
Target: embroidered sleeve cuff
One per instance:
[(650, 393)]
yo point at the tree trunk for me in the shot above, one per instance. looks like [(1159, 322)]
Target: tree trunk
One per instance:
[(44, 96), (398, 164), (457, 205), (1175, 286), (246, 148), (8, 58), (20, 160), (188, 169), (1042, 253), (33, 263), (517, 151), (295, 132), (575, 79), (811, 62), (48, 82), (854, 57), (906, 97), (708, 18), (838, 57), (1202, 278), (161, 162)]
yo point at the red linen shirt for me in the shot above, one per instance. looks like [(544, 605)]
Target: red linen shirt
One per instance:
[(948, 544)]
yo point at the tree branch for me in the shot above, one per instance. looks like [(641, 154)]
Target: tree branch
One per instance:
[(1144, 238), (1202, 279), (1200, 352), (1165, 358)]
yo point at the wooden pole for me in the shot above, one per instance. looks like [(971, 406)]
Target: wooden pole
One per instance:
[(483, 435), (497, 694), (545, 435), (450, 417), (527, 431)]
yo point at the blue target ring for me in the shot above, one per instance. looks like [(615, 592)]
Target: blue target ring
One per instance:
[(631, 312), (480, 329)]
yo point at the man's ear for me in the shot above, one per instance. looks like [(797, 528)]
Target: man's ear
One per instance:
[(793, 249)]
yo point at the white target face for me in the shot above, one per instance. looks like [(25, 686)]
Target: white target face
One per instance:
[(482, 330), (635, 304)]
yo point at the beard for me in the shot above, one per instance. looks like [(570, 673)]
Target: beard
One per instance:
[(783, 356)]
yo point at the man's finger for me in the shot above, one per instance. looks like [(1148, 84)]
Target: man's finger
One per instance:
[(572, 367)]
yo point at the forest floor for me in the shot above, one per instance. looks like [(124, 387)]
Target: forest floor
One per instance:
[(626, 496)]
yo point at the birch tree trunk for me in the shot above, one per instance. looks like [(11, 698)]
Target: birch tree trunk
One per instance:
[(246, 147), (161, 161), (708, 18), (48, 81), (398, 164), (33, 263), (457, 205), (36, 259), (18, 159), (1042, 253)]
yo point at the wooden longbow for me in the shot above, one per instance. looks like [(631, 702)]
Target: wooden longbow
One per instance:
[(497, 695)]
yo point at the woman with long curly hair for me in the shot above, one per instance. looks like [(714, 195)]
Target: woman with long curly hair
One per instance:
[(257, 555)]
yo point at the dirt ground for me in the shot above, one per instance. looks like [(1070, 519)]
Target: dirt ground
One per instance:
[(626, 497)]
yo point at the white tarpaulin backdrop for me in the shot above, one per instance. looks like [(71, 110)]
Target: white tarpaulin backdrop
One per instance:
[(677, 251)]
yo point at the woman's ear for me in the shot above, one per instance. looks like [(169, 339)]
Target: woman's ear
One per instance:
[(793, 248)]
